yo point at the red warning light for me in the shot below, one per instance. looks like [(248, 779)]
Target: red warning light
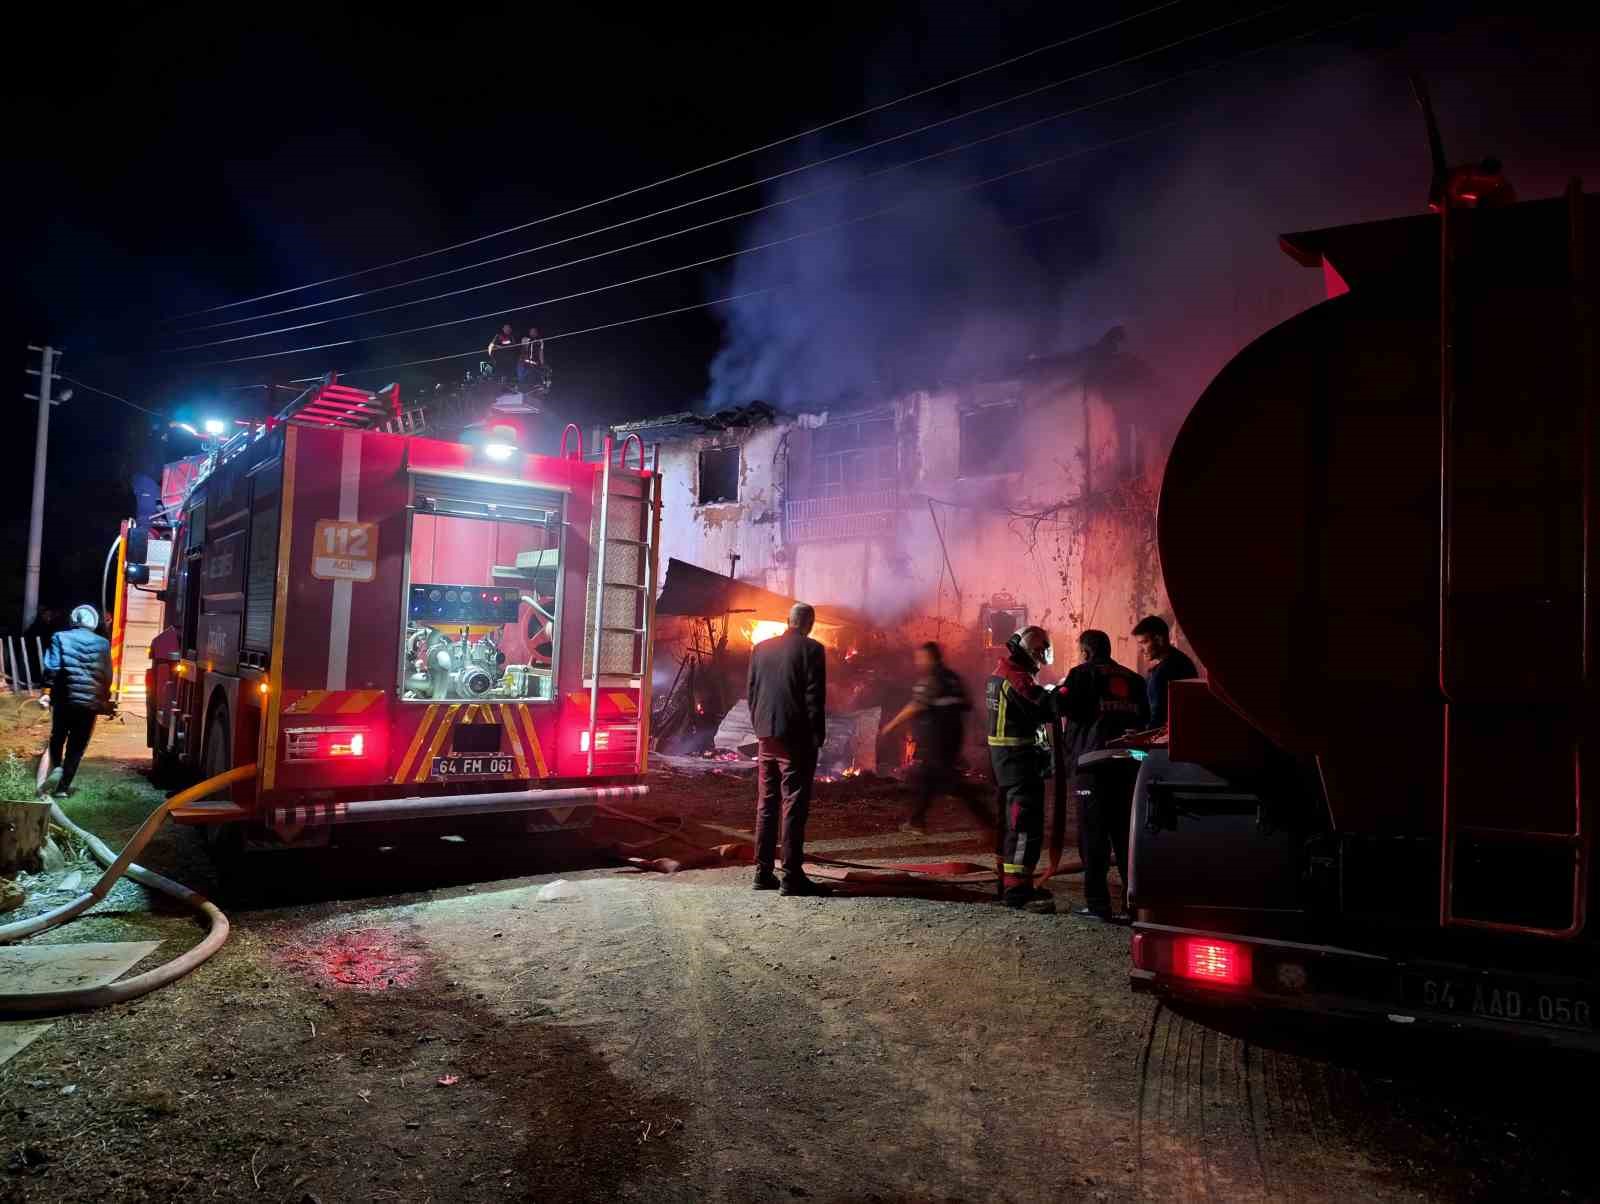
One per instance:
[(1222, 962)]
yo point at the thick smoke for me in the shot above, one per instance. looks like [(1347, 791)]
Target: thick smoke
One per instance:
[(940, 288), (1174, 239)]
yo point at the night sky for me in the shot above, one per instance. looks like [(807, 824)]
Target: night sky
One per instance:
[(172, 158)]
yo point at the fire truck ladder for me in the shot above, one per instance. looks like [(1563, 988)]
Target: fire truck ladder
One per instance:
[(328, 403), (624, 537), (1474, 718)]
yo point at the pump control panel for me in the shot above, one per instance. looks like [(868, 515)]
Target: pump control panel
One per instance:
[(470, 604)]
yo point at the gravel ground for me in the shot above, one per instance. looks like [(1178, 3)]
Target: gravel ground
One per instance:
[(418, 1025)]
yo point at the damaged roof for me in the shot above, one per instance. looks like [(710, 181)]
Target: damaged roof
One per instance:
[(700, 593), (692, 425)]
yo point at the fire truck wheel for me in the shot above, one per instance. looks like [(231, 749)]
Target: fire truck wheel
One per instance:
[(224, 842)]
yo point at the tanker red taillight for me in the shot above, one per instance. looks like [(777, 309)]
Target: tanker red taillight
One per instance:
[(1211, 960)]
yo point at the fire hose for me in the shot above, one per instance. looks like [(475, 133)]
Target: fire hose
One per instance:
[(117, 865), (714, 854)]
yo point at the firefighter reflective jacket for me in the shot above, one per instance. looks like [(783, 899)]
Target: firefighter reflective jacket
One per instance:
[(1019, 709)]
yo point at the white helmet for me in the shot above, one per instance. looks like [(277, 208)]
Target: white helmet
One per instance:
[(85, 616)]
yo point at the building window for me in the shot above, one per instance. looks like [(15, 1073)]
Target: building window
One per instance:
[(719, 475), (846, 458), (989, 440)]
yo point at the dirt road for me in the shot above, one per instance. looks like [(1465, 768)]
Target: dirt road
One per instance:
[(415, 1024)]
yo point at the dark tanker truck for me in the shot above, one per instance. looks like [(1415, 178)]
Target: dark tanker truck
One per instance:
[(1379, 532)]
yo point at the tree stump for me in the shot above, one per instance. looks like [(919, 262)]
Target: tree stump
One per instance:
[(23, 827)]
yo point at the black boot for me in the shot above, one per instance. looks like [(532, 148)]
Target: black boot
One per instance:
[(801, 885)]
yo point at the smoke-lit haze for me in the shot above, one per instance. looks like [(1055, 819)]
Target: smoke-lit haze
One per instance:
[(937, 288), (1175, 239)]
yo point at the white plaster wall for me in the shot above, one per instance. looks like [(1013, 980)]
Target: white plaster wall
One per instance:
[(905, 578), (704, 535)]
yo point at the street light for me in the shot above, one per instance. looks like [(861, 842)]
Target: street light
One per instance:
[(215, 426)]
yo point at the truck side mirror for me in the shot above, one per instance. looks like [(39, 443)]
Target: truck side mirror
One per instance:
[(138, 574)]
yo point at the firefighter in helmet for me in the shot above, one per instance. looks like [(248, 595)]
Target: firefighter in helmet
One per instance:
[(1020, 711)]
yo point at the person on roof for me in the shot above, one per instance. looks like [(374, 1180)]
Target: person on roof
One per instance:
[(502, 352), (531, 371)]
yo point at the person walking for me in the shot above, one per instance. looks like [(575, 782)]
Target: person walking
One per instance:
[(787, 688), (937, 711), (1020, 710), (77, 668)]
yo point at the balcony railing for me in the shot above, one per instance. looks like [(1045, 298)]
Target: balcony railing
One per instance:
[(848, 516)]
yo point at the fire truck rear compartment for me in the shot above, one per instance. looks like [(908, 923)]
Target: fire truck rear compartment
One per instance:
[(397, 628)]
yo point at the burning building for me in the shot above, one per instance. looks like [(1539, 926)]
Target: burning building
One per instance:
[(954, 513)]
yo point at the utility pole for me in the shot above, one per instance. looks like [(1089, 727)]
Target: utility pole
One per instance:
[(46, 374)]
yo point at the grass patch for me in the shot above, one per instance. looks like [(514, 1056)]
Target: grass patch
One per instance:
[(110, 801), (16, 779)]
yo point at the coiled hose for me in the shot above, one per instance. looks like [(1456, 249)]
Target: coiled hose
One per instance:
[(118, 864)]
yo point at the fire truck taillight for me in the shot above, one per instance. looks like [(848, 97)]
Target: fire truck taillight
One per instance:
[(263, 688), (324, 743), (618, 738)]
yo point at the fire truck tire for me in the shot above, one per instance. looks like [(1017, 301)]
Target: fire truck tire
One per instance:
[(224, 842)]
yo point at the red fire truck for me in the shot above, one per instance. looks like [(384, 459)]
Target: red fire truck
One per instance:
[(395, 627)]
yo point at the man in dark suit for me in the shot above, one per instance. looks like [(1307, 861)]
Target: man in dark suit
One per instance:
[(788, 679)]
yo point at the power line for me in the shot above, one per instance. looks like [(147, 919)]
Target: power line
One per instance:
[(632, 246), (734, 297), (747, 250), (114, 397), (551, 338), (699, 263), (567, 334), (704, 167), (726, 192)]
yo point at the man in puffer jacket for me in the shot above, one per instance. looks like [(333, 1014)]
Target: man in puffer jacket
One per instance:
[(77, 668)]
